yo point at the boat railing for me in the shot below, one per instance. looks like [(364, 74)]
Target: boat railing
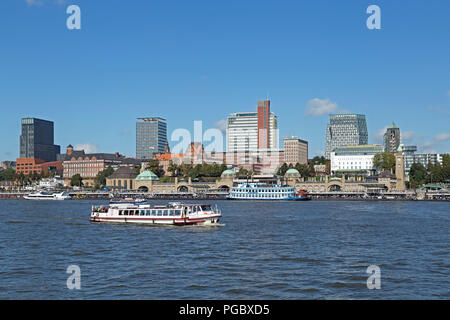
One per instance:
[(99, 209)]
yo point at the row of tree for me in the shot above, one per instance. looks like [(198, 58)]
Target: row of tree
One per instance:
[(419, 175), (305, 170), (10, 174), (196, 171)]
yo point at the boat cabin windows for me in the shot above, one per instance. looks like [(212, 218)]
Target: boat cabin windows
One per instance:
[(162, 212)]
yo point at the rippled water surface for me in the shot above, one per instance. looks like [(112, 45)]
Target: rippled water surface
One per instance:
[(264, 250)]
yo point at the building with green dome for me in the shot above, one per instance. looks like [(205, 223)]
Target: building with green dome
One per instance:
[(147, 175)]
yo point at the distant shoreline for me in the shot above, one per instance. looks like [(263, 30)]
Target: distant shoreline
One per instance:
[(211, 198)]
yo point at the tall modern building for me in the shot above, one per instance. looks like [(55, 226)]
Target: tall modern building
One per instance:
[(345, 130), (295, 151), (37, 140), (253, 131), (392, 139), (151, 137)]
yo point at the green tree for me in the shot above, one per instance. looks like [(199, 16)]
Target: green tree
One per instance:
[(76, 180), (174, 169), (446, 160), (282, 170), (304, 170), (417, 174), (100, 179), (153, 166), (244, 173), (318, 160), (8, 174), (384, 161)]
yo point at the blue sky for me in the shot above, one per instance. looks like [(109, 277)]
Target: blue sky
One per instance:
[(202, 60)]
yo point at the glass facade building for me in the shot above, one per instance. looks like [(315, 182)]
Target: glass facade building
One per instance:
[(345, 130), (37, 140), (151, 137)]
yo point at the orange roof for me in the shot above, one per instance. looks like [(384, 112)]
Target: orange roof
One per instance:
[(169, 156)]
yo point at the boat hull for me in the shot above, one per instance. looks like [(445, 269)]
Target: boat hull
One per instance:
[(46, 199), (259, 199), (211, 220)]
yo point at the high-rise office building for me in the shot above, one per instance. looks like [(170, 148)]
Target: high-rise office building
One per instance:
[(392, 139), (37, 140), (345, 130), (151, 137), (295, 151), (253, 131)]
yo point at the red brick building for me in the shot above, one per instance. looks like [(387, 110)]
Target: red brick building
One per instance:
[(29, 166)]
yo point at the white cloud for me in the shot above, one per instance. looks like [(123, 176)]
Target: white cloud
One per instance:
[(318, 107), (448, 93), (34, 2), (87, 147), (439, 110), (221, 125), (407, 136), (38, 3), (430, 146), (380, 134), (442, 137)]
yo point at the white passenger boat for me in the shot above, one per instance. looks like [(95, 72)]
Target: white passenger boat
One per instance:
[(264, 191), (48, 196), (173, 214)]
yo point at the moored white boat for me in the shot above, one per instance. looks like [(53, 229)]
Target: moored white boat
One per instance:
[(264, 191), (48, 196), (173, 214)]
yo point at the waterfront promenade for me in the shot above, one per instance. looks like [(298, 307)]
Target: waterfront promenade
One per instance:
[(217, 195)]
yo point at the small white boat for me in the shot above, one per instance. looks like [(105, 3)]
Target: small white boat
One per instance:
[(173, 214), (48, 196)]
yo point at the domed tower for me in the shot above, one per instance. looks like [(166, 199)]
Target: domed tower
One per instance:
[(69, 150), (291, 176)]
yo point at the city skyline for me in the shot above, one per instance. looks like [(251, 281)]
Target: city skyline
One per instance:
[(68, 75)]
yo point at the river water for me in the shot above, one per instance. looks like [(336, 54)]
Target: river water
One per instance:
[(263, 250)]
